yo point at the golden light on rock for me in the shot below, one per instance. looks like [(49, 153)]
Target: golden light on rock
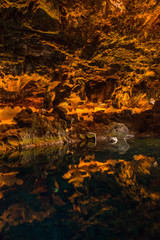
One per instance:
[(79, 88)]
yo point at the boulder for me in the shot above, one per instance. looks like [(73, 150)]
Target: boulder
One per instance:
[(119, 130)]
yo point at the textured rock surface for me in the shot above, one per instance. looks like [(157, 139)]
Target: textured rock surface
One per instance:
[(74, 53), (111, 47)]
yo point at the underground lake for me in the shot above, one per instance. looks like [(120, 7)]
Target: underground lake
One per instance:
[(82, 191), (79, 119)]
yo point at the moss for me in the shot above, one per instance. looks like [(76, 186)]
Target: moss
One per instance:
[(41, 140)]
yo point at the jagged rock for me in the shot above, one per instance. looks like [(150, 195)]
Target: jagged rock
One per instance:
[(101, 117), (74, 117), (46, 23), (62, 113), (98, 90), (62, 92), (6, 127), (98, 50), (47, 102), (49, 38), (25, 118), (122, 116), (8, 96)]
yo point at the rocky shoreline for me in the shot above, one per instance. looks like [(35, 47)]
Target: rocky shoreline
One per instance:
[(64, 72), (34, 129)]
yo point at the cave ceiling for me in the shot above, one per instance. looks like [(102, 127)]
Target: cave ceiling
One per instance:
[(79, 50)]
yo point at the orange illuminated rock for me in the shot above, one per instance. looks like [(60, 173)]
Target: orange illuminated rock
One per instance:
[(84, 56)]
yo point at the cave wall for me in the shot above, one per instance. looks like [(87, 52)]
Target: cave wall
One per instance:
[(98, 50)]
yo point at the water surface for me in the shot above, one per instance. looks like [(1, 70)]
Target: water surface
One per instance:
[(82, 192)]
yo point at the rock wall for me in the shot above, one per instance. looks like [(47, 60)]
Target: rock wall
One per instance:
[(112, 45)]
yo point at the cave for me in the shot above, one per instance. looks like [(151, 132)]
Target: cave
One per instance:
[(79, 119)]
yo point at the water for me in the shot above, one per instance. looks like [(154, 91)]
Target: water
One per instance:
[(82, 192)]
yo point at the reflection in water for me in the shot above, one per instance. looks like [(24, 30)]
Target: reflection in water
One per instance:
[(81, 193)]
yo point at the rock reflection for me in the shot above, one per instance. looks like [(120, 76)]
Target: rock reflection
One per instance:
[(9, 179), (114, 194), (67, 194)]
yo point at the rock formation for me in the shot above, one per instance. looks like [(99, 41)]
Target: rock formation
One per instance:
[(84, 56)]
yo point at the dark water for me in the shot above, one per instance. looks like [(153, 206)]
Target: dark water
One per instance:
[(82, 192)]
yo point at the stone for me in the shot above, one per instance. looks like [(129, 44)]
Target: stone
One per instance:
[(129, 136), (152, 101), (112, 140), (155, 164), (119, 130), (97, 51)]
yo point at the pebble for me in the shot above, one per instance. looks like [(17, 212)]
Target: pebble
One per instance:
[(113, 140), (155, 164)]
